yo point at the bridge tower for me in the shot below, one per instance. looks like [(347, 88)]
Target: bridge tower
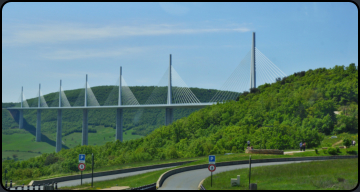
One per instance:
[(38, 120), (21, 122), (169, 111), (253, 66), (85, 118), (59, 125), (119, 114)]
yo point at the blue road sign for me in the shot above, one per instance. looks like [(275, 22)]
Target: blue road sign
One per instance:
[(211, 159), (81, 158)]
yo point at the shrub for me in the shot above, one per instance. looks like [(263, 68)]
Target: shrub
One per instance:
[(325, 151), (351, 152), (338, 150), (316, 151), (51, 159), (347, 142), (332, 151)]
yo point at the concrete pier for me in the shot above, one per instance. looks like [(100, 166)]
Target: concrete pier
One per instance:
[(59, 131), (85, 128), (21, 121), (169, 116), (38, 126), (119, 125)]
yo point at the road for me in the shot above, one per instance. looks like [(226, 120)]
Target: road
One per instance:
[(103, 178), (190, 180)]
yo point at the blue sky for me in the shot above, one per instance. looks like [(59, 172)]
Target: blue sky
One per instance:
[(46, 42)]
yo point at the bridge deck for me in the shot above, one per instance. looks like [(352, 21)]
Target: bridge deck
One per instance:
[(195, 105)]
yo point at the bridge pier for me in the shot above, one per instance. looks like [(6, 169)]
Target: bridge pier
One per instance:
[(38, 126), (58, 131), (21, 121), (168, 116), (85, 128), (119, 125)]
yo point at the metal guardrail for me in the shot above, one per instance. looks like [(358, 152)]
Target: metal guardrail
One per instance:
[(47, 186), (146, 187)]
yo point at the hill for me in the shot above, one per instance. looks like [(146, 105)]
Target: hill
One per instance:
[(137, 123), (297, 108)]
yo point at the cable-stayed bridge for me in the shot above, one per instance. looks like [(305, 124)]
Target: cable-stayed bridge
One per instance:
[(171, 92)]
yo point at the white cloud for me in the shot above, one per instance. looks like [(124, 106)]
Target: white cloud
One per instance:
[(89, 53), (57, 33)]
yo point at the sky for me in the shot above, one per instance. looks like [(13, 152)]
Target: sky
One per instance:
[(46, 42)]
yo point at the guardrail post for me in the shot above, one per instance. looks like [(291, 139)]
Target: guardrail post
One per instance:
[(55, 185), (22, 187), (5, 183), (38, 186), (253, 186), (10, 183)]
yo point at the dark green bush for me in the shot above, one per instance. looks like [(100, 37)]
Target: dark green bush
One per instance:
[(351, 152), (338, 150), (332, 151), (316, 151), (325, 151), (347, 142)]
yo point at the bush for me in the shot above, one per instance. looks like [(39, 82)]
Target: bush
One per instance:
[(332, 151), (347, 142), (338, 150), (351, 152), (325, 151), (316, 151)]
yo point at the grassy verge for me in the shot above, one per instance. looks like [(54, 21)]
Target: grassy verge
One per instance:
[(29, 148), (134, 182), (331, 174), (108, 168)]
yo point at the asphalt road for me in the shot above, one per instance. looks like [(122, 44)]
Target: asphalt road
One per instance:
[(108, 177), (190, 180)]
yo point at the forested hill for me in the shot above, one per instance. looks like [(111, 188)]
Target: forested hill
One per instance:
[(141, 122), (297, 108)]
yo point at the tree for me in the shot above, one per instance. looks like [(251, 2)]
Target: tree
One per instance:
[(347, 142)]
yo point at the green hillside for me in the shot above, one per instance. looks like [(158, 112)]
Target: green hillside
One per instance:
[(137, 123), (297, 108)]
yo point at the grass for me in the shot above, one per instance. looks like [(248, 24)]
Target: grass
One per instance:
[(319, 175), (28, 143), (134, 181)]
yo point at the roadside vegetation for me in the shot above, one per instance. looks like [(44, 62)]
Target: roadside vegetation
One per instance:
[(340, 174), (297, 108)]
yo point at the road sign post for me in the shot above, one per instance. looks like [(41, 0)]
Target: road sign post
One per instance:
[(249, 170), (92, 169), (81, 167), (211, 168)]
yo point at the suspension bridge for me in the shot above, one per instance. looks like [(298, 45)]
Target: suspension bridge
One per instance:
[(178, 95)]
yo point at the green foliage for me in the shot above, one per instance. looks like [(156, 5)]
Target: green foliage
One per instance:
[(332, 151), (316, 151), (279, 116), (347, 142), (351, 151), (325, 151)]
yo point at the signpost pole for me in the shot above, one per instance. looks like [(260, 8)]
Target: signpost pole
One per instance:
[(249, 170), (81, 178), (92, 169), (211, 179)]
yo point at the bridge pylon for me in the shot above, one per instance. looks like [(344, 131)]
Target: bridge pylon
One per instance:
[(119, 114), (169, 111), (59, 125), (85, 118), (38, 120), (253, 64)]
